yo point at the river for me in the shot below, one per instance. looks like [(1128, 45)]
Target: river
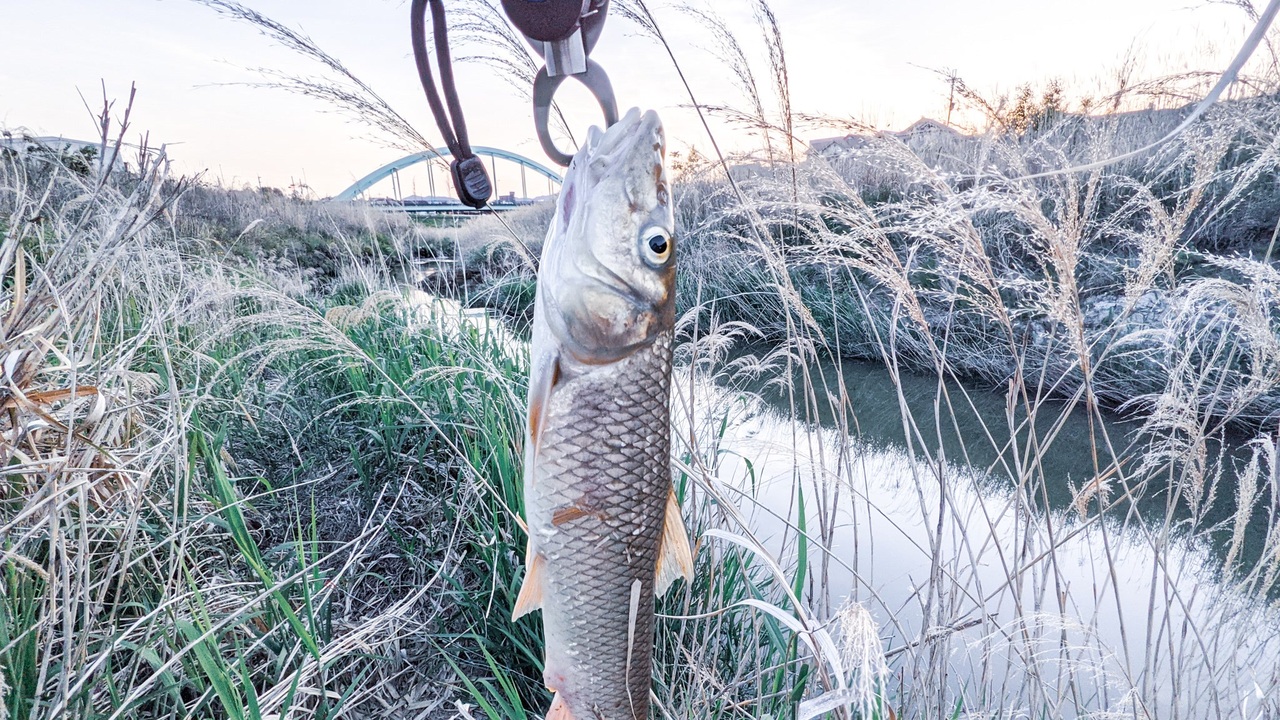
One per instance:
[(997, 591), (959, 524)]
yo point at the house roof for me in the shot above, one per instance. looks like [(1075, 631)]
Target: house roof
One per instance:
[(921, 127)]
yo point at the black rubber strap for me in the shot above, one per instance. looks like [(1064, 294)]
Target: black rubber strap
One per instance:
[(545, 20), (470, 179)]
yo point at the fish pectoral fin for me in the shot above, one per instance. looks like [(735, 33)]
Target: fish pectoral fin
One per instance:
[(576, 511), (530, 597), (559, 709), (543, 379), (675, 559)]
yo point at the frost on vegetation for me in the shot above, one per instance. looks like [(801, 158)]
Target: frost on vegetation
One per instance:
[(1146, 287), (1101, 278), (862, 653), (243, 500), (309, 482)]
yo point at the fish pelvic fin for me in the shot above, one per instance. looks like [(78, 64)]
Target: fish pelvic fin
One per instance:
[(530, 597), (559, 710), (675, 559)]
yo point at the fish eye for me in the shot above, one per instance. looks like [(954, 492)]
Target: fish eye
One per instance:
[(655, 246)]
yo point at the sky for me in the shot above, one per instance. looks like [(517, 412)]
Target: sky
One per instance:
[(872, 61)]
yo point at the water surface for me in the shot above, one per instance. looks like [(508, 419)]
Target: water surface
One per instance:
[(963, 532)]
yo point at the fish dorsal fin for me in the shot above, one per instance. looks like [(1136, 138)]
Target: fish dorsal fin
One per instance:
[(675, 560), (530, 597), (559, 709)]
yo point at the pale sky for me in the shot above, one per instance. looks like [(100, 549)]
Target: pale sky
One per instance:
[(860, 59)]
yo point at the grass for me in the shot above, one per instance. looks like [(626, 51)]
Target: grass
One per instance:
[(200, 517), (240, 490), (1143, 288), (249, 474)]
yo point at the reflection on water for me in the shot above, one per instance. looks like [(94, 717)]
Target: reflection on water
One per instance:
[(952, 519), (938, 525), (989, 434)]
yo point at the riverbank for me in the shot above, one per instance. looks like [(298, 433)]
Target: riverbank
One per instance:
[(1147, 286), (231, 489), (279, 489), (242, 486)]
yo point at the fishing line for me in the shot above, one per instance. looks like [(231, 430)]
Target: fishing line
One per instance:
[(470, 180), (697, 106), (1228, 77), (528, 254)]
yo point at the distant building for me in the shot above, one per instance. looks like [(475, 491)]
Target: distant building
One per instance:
[(28, 143), (746, 171), (924, 129), (429, 200), (928, 127), (836, 145)]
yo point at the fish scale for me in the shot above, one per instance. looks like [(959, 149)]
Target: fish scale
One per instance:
[(605, 532), (588, 457)]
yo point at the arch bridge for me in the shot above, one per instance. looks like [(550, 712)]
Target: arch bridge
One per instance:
[(438, 203)]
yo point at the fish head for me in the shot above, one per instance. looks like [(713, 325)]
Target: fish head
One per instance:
[(607, 279)]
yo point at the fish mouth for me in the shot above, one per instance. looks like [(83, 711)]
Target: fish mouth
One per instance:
[(636, 141), (623, 138), (602, 301)]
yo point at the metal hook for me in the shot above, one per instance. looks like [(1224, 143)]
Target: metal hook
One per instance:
[(544, 90)]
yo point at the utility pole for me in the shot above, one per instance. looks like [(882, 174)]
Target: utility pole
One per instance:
[(952, 79)]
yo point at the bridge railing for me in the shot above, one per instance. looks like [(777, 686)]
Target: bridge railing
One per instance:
[(362, 185)]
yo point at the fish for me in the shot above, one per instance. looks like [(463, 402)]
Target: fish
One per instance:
[(605, 532)]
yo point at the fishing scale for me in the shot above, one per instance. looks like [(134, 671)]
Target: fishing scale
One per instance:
[(562, 32)]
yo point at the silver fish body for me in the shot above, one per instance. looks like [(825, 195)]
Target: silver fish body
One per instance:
[(605, 534)]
